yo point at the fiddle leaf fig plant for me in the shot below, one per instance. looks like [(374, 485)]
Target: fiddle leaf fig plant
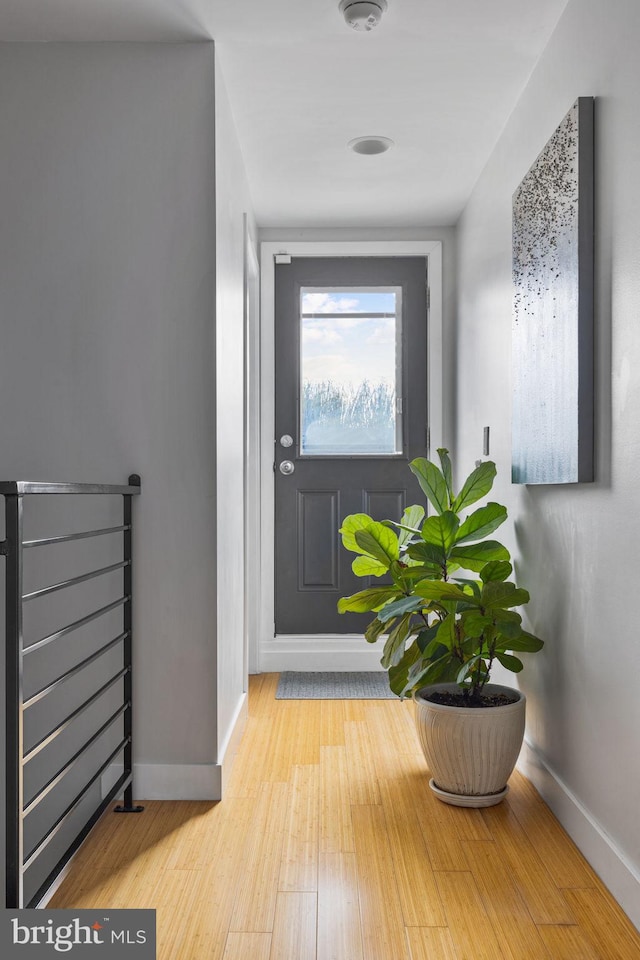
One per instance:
[(437, 622)]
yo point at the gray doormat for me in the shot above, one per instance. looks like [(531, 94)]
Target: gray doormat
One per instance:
[(372, 685)]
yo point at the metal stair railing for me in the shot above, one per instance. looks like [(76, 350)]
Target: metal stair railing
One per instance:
[(18, 808)]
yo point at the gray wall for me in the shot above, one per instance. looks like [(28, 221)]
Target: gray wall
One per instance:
[(107, 360), (575, 545)]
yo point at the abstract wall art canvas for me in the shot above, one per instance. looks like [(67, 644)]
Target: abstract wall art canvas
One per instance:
[(552, 427)]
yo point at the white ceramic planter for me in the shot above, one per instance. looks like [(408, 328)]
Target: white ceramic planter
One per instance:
[(470, 751)]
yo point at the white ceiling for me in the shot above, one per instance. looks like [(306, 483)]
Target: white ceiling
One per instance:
[(440, 77)]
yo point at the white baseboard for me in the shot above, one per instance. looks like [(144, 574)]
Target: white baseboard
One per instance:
[(618, 874), (177, 781), (319, 653), (188, 781), (231, 742)]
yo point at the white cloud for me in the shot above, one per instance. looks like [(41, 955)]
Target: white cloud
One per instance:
[(346, 323), (330, 328), (320, 334), (331, 367), (348, 350), (385, 332), (325, 303)]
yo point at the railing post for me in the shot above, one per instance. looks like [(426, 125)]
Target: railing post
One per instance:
[(128, 805), (12, 548)]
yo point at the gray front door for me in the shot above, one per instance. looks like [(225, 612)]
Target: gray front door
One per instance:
[(351, 412)]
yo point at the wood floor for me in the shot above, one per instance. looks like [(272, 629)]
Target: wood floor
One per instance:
[(330, 845)]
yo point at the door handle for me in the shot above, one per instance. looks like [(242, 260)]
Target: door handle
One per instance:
[(287, 467)]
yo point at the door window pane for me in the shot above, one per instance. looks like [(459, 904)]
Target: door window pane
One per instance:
[(350, 368)]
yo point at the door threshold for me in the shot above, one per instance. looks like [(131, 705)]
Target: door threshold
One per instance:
[(319, 652)]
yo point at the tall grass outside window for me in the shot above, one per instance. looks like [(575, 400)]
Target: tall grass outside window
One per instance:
[(339, 418)]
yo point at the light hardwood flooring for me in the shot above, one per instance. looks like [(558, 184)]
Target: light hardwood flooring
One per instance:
[(329, 845)]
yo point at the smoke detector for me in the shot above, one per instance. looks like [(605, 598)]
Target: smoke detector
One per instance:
[(363, 14)]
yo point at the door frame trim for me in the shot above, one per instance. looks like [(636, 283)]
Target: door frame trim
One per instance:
[(252, 454), (274, 651)]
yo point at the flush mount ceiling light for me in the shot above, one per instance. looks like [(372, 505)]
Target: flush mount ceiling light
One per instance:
[(370, 145), (363, 14)]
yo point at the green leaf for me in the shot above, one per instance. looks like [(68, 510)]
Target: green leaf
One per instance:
[(474, 556), (441, 531), (525, 643), (481, 523), (512, 616), (399, 607), (447, 472), (534, 640), (439, 590), (473, 586), (443, 669), (503, 595), (365, 566), (399, 673), (466, 668), (394, 647), (398, 573), (374, 630), (446, 633), (475, 623), (432, 483), (426, 640), (477, 485), (496, 570), (410, 523), (350, 525), (427, 553), (421, 571), (507, 627), (379, 542), (366, 600), (511, 663)]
